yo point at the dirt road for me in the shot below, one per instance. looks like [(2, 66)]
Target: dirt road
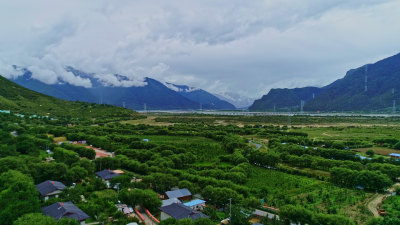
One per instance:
[(376, 201)]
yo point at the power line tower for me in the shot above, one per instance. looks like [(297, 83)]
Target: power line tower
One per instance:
[(123, 104), (144, 107), (394, 102), (366, 79), (394, 106), (301, 105)]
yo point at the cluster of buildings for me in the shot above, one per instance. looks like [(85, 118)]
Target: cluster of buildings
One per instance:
[(174, 207), (22, 116), (178, 204), (51, 189)]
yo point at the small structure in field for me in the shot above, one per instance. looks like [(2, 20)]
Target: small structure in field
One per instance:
[(123, 208), (50, 189)]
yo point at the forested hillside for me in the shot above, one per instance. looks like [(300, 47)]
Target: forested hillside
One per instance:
[(21, 100)]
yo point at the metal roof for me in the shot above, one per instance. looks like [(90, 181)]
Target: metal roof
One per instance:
[(178, 193), (179, 211), (170, 201), (60, 210), (107, 174), (49, 186), (395, 154), (194, 202)]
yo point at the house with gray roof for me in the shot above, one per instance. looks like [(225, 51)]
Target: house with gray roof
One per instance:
[(170, 201), (50, 189), (60, 210), (107, 174), (181, 194), (180, 211)]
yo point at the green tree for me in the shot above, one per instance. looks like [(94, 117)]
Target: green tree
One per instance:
[(370, 153), (186, 221), (74, 174), (18, 196), (66, 156), (34, 219), (169, 221), (203, 221), (124, 181), (239, 216), (211, 212), (68, 221)]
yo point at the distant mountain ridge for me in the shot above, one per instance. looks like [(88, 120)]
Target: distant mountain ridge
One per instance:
[(152, 96), (285, 99), (372, 87), (207, 100)]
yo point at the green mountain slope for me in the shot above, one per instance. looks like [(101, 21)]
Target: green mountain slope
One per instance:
[(347, 94), (19, 99), (284, 99)]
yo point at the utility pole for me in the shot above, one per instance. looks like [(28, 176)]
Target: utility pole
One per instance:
[(230, 210)]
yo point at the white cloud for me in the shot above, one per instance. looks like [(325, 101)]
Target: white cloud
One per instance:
[(223, 46)]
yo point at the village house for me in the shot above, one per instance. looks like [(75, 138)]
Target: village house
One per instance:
[(60, 210), (196, 204), (50, 189), (394, 155), (180, 211), (170, 201), (107, 175), (181, 194)]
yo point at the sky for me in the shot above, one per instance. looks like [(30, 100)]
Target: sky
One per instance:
[(222, 46)]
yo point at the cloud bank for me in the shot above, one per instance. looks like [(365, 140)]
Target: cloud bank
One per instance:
[(246, 47)]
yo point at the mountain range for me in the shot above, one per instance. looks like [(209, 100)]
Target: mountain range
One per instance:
[(152, 96), (369, 88)]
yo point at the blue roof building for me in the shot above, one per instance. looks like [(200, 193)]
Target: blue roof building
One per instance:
[(395, 155), (195, 202)]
